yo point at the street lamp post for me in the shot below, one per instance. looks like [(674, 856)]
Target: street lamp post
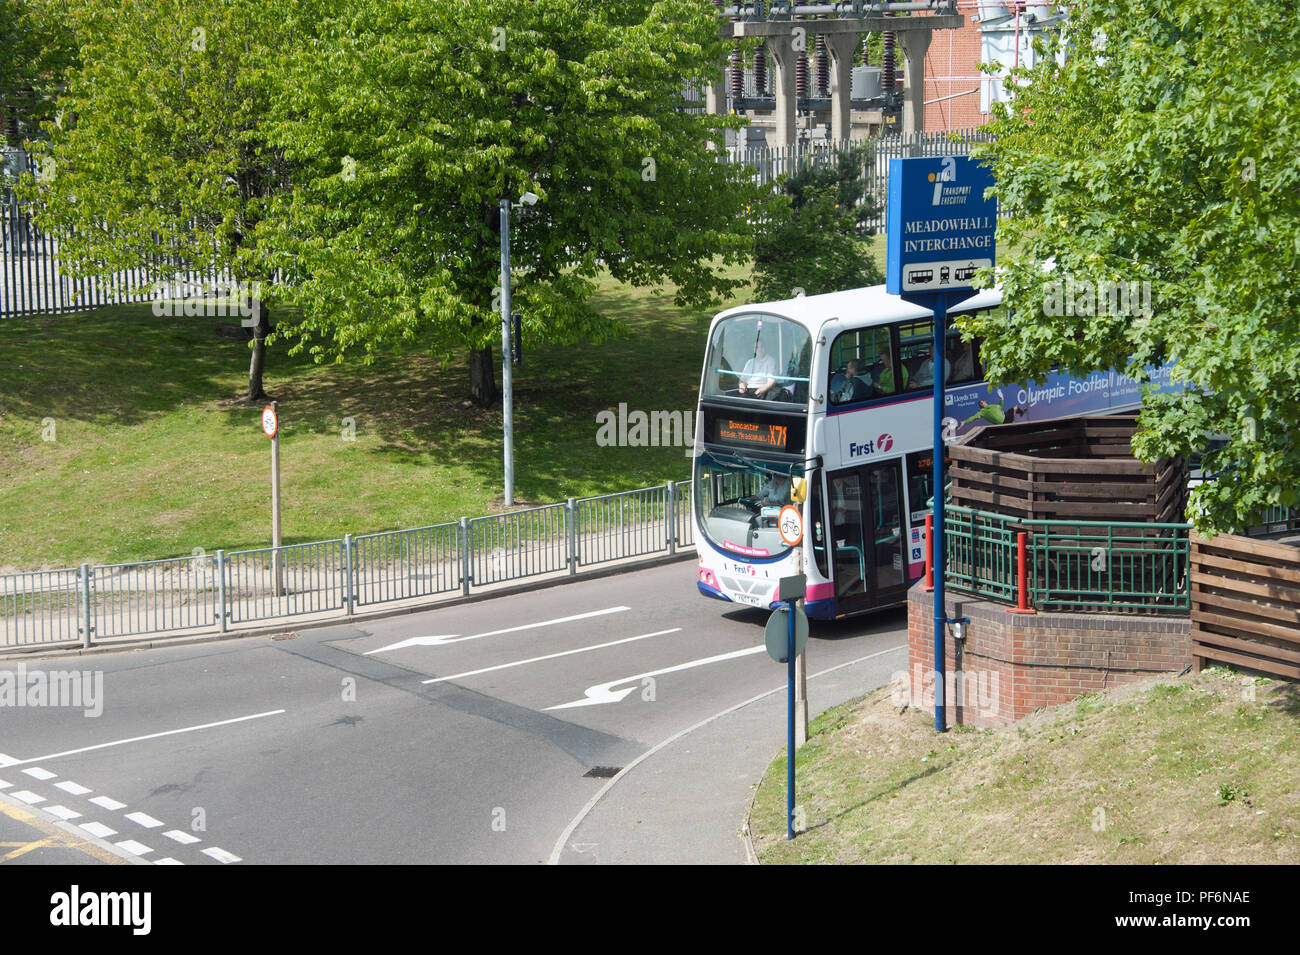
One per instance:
[(507, 396)]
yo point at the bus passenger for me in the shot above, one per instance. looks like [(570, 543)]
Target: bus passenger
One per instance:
[(758, 379), (855, 387), (885, 383)]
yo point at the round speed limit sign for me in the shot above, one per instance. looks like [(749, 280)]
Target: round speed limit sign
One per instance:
[(270, 422), (790, 523)]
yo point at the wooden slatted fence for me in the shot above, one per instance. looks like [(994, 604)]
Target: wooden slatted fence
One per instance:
[(1246, 604)]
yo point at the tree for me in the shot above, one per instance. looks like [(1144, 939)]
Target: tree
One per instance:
[(812, 239), (37, 48), (1162, 152), (414, 119), (161, 155)]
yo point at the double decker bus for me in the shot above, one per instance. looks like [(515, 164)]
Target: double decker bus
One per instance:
[(826, 401)]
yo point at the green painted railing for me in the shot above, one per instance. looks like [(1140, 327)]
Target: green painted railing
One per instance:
[(1070, 565)]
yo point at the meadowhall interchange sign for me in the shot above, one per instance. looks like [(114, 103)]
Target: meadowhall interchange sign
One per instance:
[(940, 226)]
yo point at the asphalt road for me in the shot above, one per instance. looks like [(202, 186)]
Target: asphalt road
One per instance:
[(459, 735)]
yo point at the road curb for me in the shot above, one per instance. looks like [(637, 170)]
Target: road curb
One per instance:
[(288, 624)]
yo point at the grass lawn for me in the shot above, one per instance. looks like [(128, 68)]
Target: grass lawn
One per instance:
[(152, 457), (1194, 769)]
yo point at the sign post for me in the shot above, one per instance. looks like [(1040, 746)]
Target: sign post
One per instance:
[(790, 524), (940, 230), (271, 427), (788, 646)]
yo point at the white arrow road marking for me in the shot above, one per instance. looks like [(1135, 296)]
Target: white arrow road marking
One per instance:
[(605, 692), (445, 638), (414, 642), (552, 656)]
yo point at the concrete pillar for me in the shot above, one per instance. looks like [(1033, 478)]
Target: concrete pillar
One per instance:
[(784, 57), (715, 98), (914, 44), (842, 47)]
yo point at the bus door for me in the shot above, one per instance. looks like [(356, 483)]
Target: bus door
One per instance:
[(867, 536)]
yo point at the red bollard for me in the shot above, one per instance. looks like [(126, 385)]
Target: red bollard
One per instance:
[(929, 552), (1022, 578)]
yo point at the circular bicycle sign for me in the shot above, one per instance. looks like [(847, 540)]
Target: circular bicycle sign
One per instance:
[(790, 523), (270, 422)]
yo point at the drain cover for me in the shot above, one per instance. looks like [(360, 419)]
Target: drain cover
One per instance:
[(602, 772)]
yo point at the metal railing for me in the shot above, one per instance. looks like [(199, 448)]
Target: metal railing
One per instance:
[(981, 553), (772, 162), (1069, 565), (216, 590)]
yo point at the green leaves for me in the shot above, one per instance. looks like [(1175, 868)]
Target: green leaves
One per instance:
[(448, 108), (811, 240), (1162, 151)]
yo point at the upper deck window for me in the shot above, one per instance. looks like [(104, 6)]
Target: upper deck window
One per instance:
[(915, 351), (861, 366), (761, 357)]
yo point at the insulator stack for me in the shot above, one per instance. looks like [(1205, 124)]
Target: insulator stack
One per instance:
[(823, 66), (887, 71)]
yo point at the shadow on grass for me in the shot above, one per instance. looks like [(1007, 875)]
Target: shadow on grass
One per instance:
[(114, 365), (876, 797)]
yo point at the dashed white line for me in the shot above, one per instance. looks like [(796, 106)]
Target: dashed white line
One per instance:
[(97, 829), (28, 797), (221, 855), (144, 819), (8, 760), (168, 861), (107, 802), (138, 739), (63, 812), (181, 836), (37, 773), (4, 784), (133, 847), (76, 789), (550, 656)]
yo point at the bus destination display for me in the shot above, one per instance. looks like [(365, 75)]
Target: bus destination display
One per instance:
[(751, 434)]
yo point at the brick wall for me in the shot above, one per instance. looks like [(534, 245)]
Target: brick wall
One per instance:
[(1014, 664), (952, 67)]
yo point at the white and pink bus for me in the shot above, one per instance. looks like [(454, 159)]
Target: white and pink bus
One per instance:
[(831, 395)]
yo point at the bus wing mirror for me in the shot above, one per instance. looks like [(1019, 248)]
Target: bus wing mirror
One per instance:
[(799, 490)]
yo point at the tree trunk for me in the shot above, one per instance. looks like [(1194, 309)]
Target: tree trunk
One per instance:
[(258, 360), (482, 381)]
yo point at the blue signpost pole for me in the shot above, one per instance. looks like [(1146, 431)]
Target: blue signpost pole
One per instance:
[(789, 730), (940, 608), (940, 232)]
